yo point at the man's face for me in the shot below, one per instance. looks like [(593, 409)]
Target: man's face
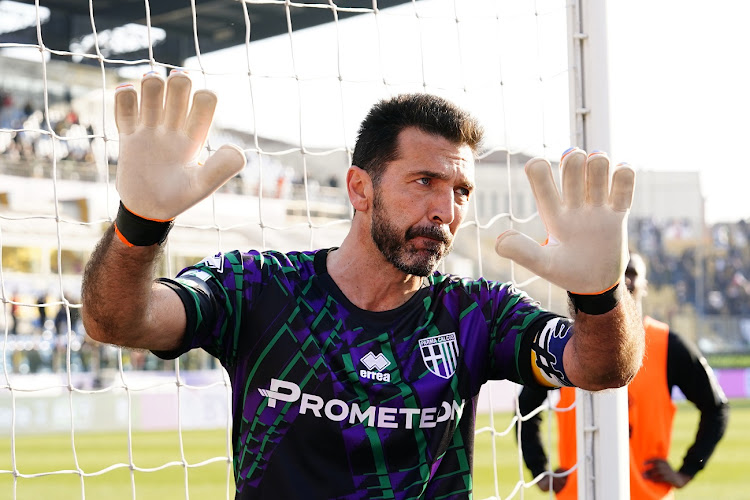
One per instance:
[(421, 201)]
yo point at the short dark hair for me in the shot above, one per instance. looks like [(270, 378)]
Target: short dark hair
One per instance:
[(377, 139)]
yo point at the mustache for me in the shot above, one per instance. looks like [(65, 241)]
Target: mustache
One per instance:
[(432, 232)]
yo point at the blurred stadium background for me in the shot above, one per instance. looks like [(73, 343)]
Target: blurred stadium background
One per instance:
[(57, 167)]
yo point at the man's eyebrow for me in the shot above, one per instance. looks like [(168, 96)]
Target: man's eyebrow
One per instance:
[(443, 177), (432, 174)]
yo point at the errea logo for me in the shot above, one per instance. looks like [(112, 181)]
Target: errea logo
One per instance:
[(375, 366)]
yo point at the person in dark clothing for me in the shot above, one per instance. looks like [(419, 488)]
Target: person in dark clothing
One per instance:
[(41, 301), (650, 411), (14, 315)]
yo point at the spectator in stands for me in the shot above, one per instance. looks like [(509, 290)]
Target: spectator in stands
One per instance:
[(61, 321), (722, 269), (27, 142), (669, 361), (13, 329), (40, 301)]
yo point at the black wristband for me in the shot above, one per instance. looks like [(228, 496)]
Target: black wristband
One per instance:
[(134, 230), (599, 303)]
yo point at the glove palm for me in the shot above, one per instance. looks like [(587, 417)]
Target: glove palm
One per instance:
[(158, 175), (586, 251)]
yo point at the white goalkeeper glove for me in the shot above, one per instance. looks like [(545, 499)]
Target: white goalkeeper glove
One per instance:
[(586, 251), (158, 174)]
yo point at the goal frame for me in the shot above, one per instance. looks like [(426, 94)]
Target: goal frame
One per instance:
[(602, 449)]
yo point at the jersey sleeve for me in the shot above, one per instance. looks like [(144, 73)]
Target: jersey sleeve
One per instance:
[(212, 293), (530, 338), (688, 370)]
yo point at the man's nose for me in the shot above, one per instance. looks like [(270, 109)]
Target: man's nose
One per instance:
[(444, 207)]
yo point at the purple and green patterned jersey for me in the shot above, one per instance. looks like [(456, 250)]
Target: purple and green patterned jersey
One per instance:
[(333, 401)]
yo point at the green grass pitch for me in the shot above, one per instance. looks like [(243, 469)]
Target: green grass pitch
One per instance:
[(166, 477)]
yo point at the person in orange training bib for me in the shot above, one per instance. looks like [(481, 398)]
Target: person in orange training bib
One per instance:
[(669, 361)]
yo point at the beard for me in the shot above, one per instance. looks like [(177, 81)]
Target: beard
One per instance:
[(400, 251)]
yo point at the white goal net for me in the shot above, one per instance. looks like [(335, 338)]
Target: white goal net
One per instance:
[(294, 80)]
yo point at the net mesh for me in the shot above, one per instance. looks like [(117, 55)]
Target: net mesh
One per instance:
[(293, 102)]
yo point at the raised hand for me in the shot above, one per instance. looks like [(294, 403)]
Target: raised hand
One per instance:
[(158, 174), (586, 251)]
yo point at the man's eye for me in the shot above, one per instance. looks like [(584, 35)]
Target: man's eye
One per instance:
[(463, 192), (424, 181)]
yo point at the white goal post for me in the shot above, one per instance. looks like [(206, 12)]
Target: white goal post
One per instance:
[(601, 418)]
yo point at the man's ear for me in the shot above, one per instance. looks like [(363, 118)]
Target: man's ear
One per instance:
[(360, 189)]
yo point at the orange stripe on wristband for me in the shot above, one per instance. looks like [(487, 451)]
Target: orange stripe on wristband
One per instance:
[(135, 230), (121, 237), (598, 293)]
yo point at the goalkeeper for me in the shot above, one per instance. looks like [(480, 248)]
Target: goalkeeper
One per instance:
[(355, 370)]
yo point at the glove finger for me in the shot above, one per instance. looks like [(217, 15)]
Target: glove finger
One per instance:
[(597, 179), (152, 99), (221, 166), (539, 172), (126, 109), (623, 187), (177, 100), (522, 250), (573, 178), (201, 115)]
